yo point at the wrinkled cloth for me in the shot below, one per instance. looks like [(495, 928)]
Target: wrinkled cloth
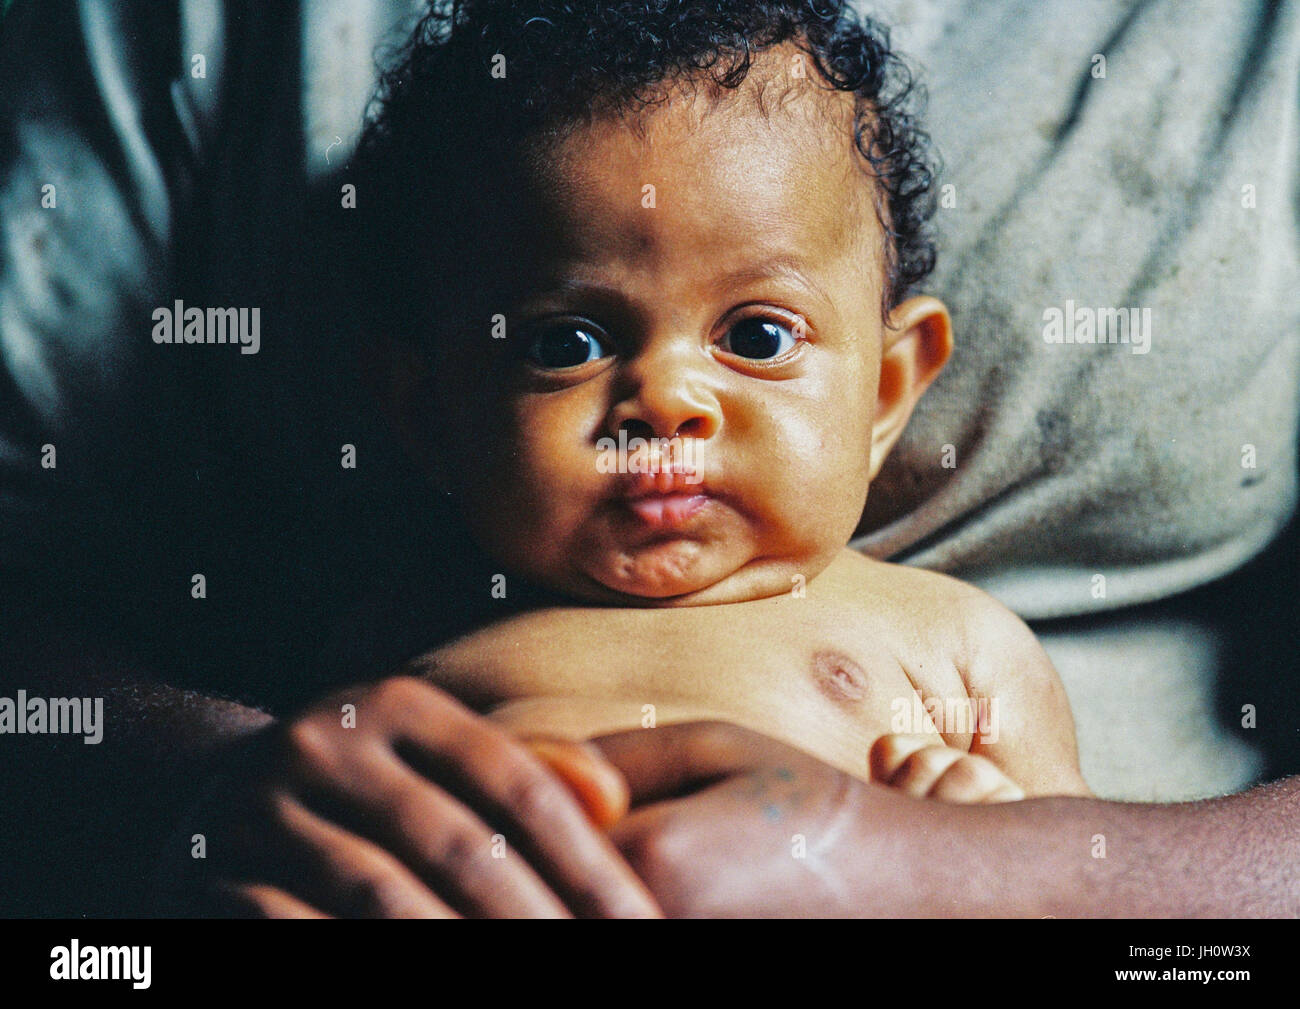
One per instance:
[(1172, 185)]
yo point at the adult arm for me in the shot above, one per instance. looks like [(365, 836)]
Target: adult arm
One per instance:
[(818, 842), (85, 822)]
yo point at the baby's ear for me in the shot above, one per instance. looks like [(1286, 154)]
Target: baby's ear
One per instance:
[(917, 344)]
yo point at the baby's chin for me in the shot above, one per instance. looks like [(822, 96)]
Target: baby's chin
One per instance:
[(658, 571), (678, 573)]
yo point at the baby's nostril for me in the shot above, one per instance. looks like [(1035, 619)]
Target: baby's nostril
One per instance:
[(636, 428)]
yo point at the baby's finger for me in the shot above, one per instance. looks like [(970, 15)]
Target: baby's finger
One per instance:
[(975, 779), (889, 751), (1010, 792), (919, 771)]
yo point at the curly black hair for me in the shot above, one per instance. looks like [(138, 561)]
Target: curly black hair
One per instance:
[(444, 133)]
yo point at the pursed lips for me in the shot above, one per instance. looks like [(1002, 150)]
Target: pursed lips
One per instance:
[(665, 499)]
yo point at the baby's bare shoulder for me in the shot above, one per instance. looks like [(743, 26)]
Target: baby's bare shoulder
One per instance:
[(934, 610), (913, 595)]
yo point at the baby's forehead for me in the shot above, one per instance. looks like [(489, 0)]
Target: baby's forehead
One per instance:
[(773, 158)]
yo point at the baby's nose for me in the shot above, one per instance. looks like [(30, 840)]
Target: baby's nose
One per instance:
[(667, 409)]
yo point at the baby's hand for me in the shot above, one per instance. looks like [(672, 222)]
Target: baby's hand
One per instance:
[(924, 768)]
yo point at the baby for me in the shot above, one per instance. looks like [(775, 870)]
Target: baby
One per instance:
[(659, 344)]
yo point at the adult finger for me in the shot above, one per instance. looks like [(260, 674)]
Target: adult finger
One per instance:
[(671, 760), (260, 900), (510, 790), (598, 786), (343, 872)]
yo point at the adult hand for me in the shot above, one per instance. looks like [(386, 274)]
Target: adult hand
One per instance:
[(727, 822), (407, 805), (730, 823)]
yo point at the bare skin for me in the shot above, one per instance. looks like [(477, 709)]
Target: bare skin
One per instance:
[(874, 851), (833, 671), (398, 814), (728, 592), (405, 813), (695, 788)]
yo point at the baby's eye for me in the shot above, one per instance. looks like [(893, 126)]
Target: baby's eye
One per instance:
[(565, 346), (758, 339)]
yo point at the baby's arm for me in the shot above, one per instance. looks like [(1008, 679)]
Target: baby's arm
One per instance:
[(1034, 743), (1027, 750)]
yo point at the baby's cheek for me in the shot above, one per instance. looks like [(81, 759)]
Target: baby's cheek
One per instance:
[(552, 453)]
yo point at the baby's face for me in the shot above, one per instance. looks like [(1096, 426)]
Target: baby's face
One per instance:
[(730, 316)]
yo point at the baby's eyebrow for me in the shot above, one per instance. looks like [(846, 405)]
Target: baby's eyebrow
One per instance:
[(563, 288), (778, 268), (781, 268)]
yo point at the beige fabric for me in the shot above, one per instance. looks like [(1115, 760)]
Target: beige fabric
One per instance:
[(1126, 191)]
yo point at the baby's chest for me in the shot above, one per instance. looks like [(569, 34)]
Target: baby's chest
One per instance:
[(818, 683)]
